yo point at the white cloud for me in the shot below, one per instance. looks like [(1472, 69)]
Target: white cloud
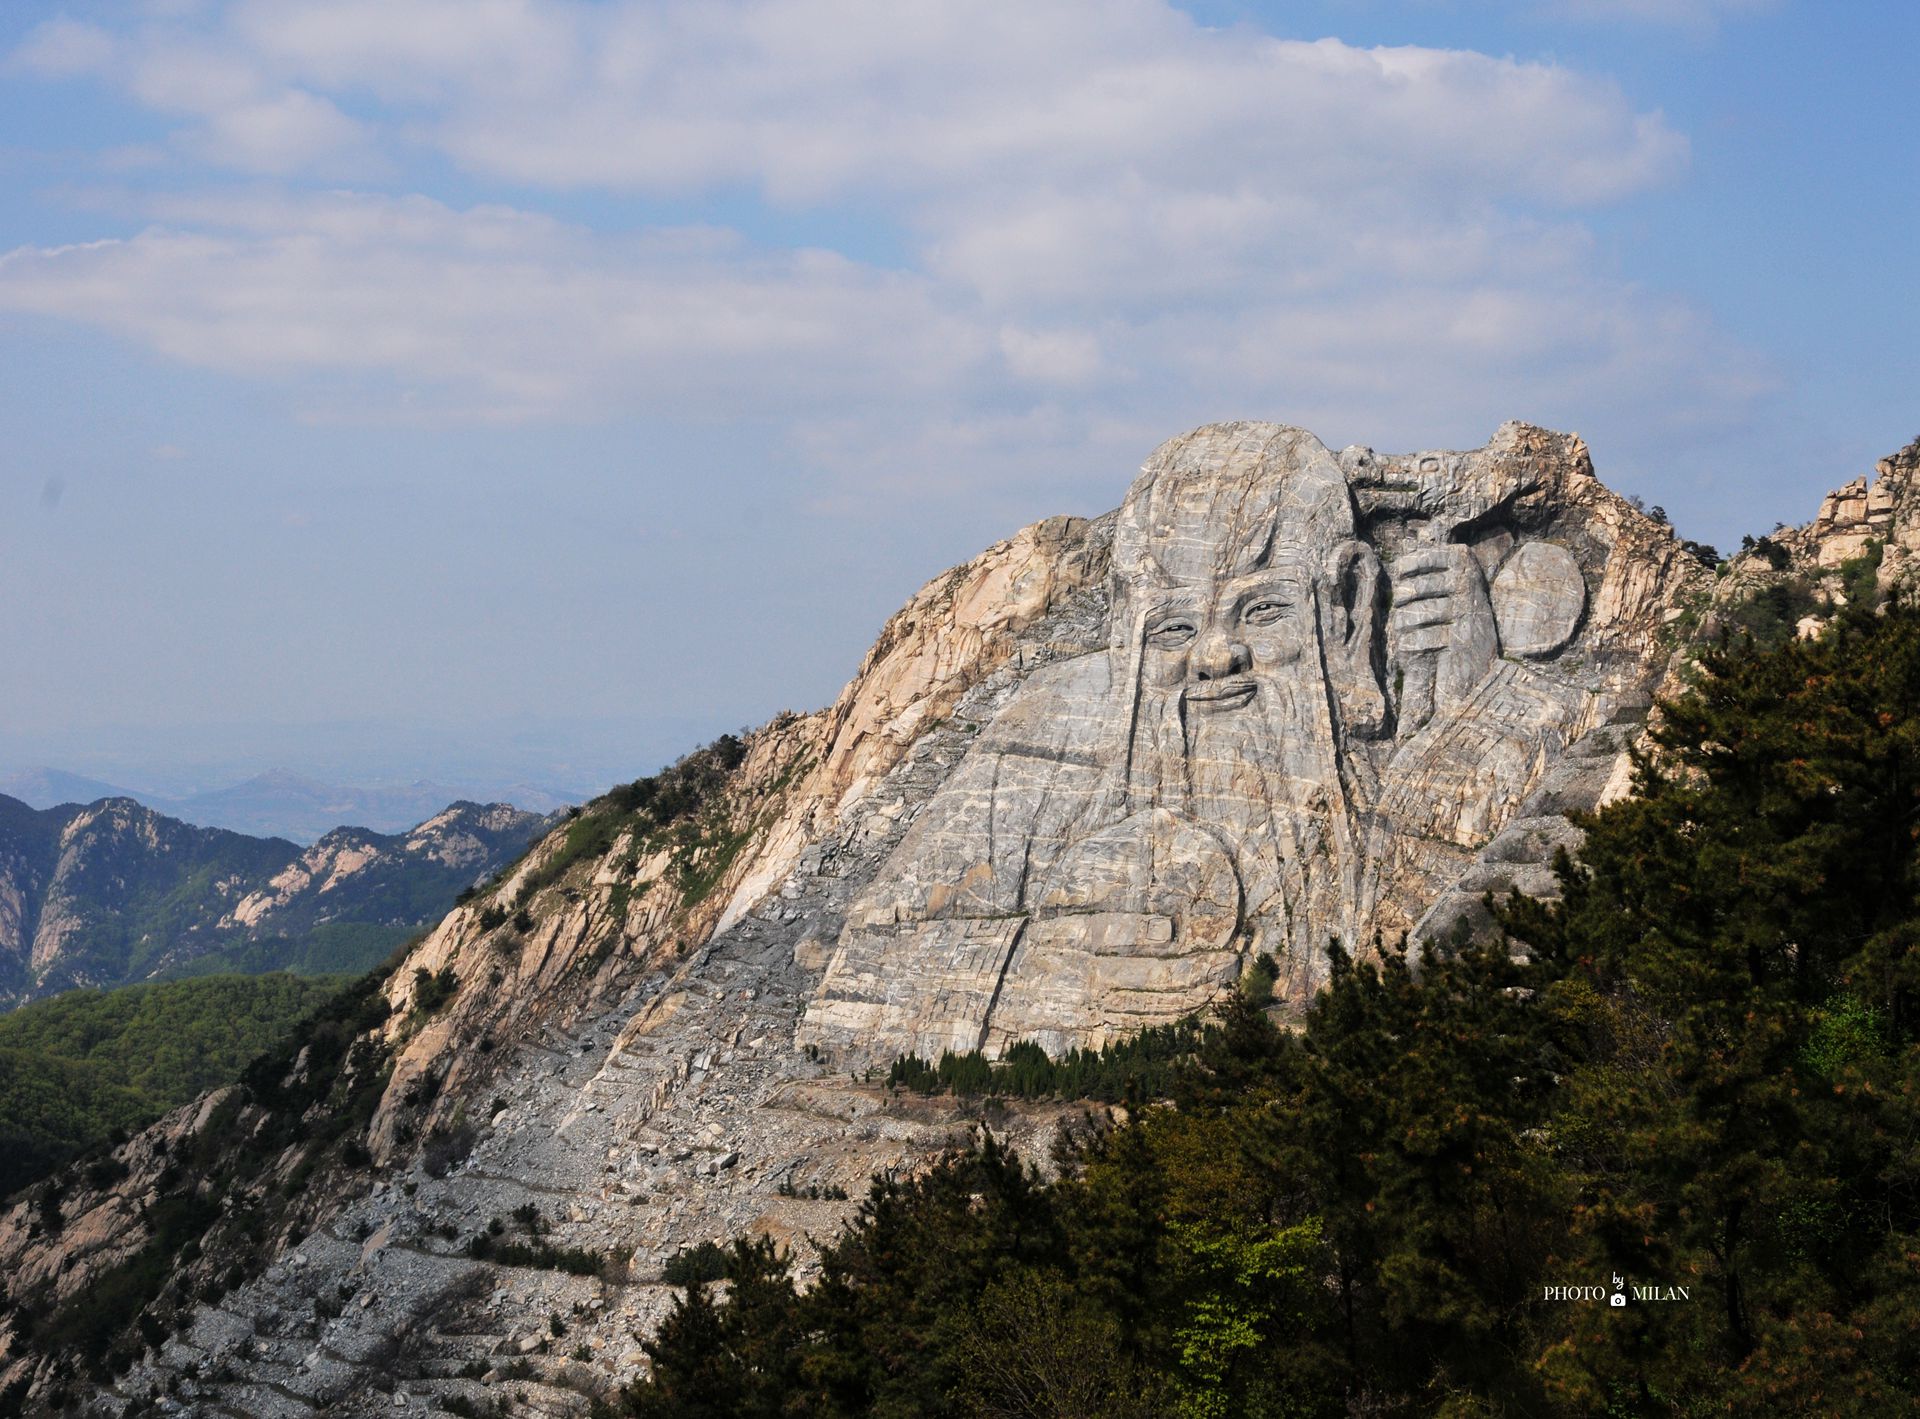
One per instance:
[(1050, 356), (293, 131), (403, 307), (491, 313), (245, 117), (63, 48), (190, 78), (1683, 14), (1062, 94), (1117, 222), (812, 99)]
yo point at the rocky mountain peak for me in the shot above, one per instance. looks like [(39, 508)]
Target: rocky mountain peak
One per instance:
[(1884, 511), (114, 891), (1079, 785)]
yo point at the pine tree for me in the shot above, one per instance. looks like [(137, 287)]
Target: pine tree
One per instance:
[(1744, 932)]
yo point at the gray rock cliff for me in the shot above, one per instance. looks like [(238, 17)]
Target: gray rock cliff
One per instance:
[(1325, 684), (1282, 694)]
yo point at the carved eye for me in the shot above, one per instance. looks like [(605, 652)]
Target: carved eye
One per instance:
[(1171, 633), (1265, 611)]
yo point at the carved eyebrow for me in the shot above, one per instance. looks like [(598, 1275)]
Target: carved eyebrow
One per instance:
[(1158, 615), (1172, 627), (1269, 589)]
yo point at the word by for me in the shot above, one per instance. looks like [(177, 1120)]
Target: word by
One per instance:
[(1618, 1295)]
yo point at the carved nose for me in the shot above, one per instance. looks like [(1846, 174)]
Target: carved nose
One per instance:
[(1216, 656)]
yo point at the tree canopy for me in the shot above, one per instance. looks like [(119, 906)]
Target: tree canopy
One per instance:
[(78, 1067)]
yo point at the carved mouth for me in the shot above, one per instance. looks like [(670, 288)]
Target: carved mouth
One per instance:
[(1222, 694)]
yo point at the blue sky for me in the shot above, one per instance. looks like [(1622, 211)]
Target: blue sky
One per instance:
[(397, 384)]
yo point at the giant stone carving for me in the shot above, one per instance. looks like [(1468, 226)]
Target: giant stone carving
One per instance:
[(1328, 681)]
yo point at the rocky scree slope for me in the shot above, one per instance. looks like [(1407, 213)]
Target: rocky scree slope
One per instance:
[(658, 1028), (113, 892)]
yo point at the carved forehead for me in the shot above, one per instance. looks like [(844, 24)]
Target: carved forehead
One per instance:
[(1228, 500), (1287, 577)]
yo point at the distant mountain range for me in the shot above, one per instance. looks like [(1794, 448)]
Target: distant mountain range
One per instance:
[(278, 803), (114, 892)]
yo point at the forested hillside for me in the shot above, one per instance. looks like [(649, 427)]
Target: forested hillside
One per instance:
[(1695, 1080), (78, 1068)]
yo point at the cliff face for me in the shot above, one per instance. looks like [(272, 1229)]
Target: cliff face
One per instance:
[(114, 892), (1076, 787), (1874, 522), (1322, 686)]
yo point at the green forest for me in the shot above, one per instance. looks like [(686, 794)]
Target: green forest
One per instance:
[(1694, 1081), (85, 1066), (343, 948)]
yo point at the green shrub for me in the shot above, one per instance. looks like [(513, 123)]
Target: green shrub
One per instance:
[(647, 806), (433, 989), (537, 1256), (1772, 614), (695, 1266), (1142, 1064), (1860, 576), (1262, 974)]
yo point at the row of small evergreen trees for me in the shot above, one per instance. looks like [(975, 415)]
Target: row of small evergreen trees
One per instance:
[(1701, 1077), (1140, 1066)]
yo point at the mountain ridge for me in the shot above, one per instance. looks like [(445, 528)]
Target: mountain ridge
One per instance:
[(112, 892), (278, 802), (636, 1001)]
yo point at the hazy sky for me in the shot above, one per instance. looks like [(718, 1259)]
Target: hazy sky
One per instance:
[(573, 380)]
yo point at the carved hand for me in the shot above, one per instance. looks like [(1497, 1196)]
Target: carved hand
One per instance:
[(1441, 636)]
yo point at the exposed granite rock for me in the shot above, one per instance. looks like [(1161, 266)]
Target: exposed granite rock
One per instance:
[(1867, 522), (1885, 511), (1282, 693), (1326, 683)]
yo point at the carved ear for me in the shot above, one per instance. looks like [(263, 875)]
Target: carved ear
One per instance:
[(1355, 596)]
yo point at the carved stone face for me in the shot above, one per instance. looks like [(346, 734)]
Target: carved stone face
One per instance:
[(1254, 762), (1240, 592), (1219, 645), (1245, 629)]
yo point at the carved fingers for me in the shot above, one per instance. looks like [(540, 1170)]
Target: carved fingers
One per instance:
[(1425, 584), (1441, 633), (1355, 602)]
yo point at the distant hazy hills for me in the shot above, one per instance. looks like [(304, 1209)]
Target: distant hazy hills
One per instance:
[(115, 892), (276, 804)]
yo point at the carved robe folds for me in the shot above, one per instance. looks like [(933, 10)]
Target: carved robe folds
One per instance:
[(1007, 918)]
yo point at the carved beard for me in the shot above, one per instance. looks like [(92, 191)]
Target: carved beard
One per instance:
[(1266, 778)]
